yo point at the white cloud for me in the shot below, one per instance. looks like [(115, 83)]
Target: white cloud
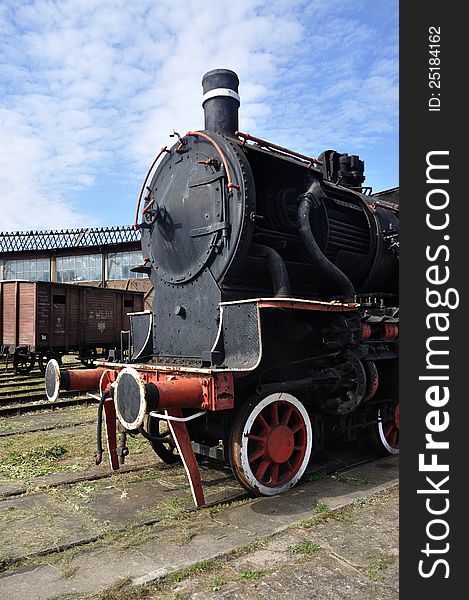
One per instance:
[(92, 88)]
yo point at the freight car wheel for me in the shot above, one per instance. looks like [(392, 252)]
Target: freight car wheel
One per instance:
[(270, 444), (384, 435), (88, 359), (24, 363), (167, 451), (44, 357)]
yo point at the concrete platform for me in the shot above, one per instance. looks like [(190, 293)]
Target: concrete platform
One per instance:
[(356, 556)]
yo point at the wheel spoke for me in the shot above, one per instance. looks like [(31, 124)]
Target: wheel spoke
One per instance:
[(262, 468), (274, 413), (256, 454), (297, 428), (262, 422), (274, 474), (387, 429), (286, 415), (255, 438)]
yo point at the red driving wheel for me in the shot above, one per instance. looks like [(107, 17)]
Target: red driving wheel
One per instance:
[(271, 444)]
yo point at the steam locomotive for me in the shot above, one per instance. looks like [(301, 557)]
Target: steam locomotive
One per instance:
[(275, 315)]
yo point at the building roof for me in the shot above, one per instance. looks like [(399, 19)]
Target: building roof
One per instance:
[(21, 241), (392, 192)]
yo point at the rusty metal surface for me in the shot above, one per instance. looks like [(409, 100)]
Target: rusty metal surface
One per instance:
[(8, 313), (111, 433), (155, 368), (84, 379), (184, 446), (265, 144), (51, 315), (391, 331), (308, 305), (183, 389), (366, 331)]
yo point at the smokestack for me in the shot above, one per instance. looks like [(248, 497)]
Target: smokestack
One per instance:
[(221, 101)]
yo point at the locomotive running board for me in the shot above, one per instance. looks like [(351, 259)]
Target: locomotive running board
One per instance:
[(239, 337), (298, 303)]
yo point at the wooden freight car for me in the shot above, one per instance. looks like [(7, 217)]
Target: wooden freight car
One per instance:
[(40, 320)]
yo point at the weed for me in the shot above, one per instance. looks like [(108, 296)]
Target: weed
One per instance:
[(256, 545), (378, 499), (174, 509), (216, 583), (123, 591), (323, 514), (203, 566), (249, 575), (39, 453), (319, 476), (306, 548), (379, 564), (32, 462), (343, 516), (68, 572), (356, 480), (213, 510), (180, 596)]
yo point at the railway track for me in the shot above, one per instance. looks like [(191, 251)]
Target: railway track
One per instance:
[(136, 498), (21, 394), (223, 475), (34, 383), (28, 405)]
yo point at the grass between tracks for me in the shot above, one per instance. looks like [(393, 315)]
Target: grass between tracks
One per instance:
[(43, 453), (57, 419), (40, 453)]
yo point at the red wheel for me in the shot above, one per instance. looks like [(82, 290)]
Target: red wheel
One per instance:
[(271, 444), (385, 433)]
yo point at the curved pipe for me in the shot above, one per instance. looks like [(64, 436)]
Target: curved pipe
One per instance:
[(153, 438), (312, 199), (201, 134), (276, 267)]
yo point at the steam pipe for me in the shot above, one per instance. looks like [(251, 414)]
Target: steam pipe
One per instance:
[(313, 199), (276, 267)]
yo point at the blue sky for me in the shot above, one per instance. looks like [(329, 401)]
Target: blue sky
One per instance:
[(90, 89)]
